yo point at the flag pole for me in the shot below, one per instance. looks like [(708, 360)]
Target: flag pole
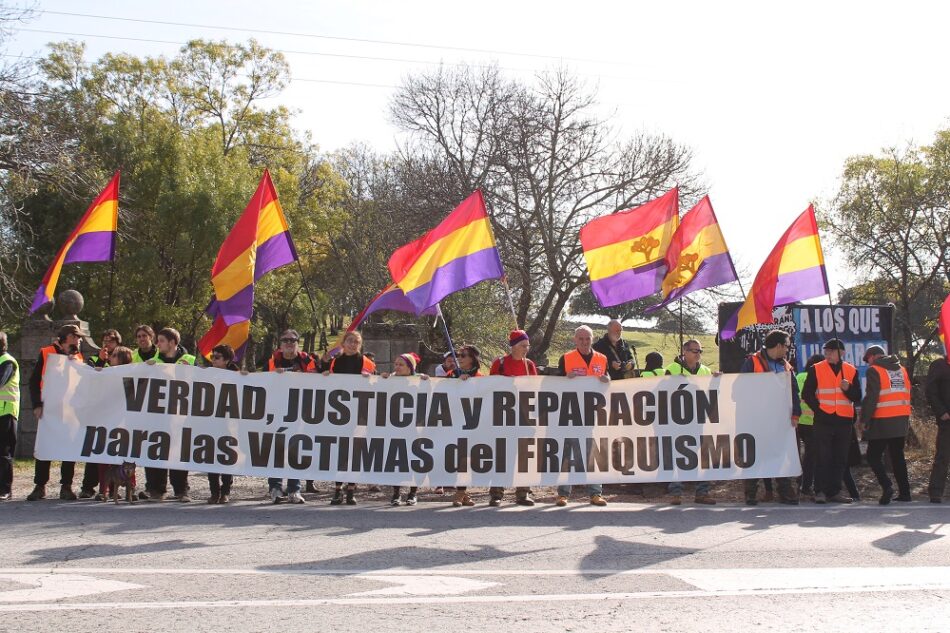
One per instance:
[(445, 329), (313, 305), (504, 278), (111, 285), (511, 302)]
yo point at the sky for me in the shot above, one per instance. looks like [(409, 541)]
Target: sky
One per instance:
[(772, 98)]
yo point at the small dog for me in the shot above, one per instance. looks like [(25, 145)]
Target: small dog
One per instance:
[(119, 475)]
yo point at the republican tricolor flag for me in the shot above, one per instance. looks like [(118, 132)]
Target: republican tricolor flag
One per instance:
[(697, 257), (456, 254), (793, 271), (93, 240), (625, 251), (259, 242), (943, 326)]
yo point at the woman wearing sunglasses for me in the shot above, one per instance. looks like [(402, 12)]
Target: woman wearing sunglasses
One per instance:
[(468, 367)]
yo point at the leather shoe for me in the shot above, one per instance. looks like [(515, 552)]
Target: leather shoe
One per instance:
[(705, 500), (676, 500), (597, 500), (886, 495)]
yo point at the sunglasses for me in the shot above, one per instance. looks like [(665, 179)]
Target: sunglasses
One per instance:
[(288, 340)]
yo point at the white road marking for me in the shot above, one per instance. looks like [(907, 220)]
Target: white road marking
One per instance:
[(48, 587), (423, 585)]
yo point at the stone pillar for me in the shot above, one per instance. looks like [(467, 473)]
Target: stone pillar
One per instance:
[(37, 332), (386, 342)]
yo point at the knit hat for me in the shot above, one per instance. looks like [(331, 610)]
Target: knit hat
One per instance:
[(516, 337), (410, 359)]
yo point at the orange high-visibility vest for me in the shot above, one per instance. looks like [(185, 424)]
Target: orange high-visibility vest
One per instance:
[(573, 360), (52, 349), (831, 399), (305, 363), (762, 367), (894, 400)]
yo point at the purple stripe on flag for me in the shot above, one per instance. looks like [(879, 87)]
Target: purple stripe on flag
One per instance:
[(276, 252), (98, 246), (456, 275), (800, 285), (39, 299), (714, 271), (236, 308), (729, 329), (628, 285)]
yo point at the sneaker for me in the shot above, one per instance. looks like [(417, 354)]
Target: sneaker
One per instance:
[(224, 499), (337, 498), (101, 497), (350, 500), (840, 498), (154, 495), (183, 498), (705, 500), (526, 500), (886, 495), (597, 500), (143, 495), (820, 498), (39, 492), (561, 501), (494, 502), (87, 494), (462, 499), (395, 502), (411, 500), (6, 496), (66, 493), (213, 499), (296, 497), (676, 500), (277, 496)]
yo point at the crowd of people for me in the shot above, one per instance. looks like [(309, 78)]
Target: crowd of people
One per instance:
[(829, 411)]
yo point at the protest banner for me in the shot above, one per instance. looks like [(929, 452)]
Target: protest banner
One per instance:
[(495, 430)]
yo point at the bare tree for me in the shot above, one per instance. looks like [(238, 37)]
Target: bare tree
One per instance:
[(547, 165)]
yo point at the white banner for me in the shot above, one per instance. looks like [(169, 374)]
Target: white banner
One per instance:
[(406, 431)]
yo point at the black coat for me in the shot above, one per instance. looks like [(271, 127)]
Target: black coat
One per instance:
[(938, 387)]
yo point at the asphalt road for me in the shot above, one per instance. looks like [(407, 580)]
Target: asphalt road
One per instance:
[(251, 566)]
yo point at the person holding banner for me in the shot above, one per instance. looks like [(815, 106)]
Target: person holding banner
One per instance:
[(9, 412), (688, 364), (885, 420), (111, 340), (583, 361), (67, 343), (288, 357), (805, 436), (468, 367), (617, 351), (145, 342), (516, 363), (222, 357), (448, 364), (171, 352), (350, 361), (771, 359), (654, 366), (405, 365), (832, 390), (120, 355), (938, 396)]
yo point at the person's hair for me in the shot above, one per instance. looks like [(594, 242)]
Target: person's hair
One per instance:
[(691, 341), (473, 352), (613, 321), (288, 333), (147, 329), (584, 328), (124, 354), (654, 361), (775, 338), (354, 334), (3, 342), (171, 334), (813, 360), (66, 330), (225, 350), (113, 334)]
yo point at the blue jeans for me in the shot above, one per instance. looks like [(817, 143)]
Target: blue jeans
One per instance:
[(293, 485), (676, 488), (595, 489)]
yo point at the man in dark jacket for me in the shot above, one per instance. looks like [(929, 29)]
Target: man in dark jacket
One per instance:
[(938, 395), (618, 353), (885, 420)]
